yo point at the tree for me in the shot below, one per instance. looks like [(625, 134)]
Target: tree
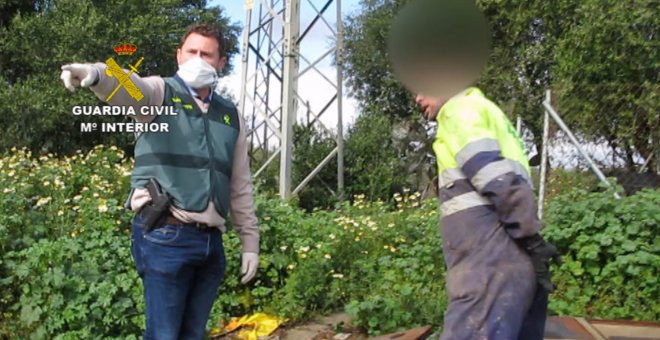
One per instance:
[(601, 59), (37, 39), (372, 164), (606, 76), (311, 146), (524, 35), (376, 159), (517, 75), (367, 70)]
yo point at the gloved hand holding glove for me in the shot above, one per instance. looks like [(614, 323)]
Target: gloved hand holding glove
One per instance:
[(78, 75), (249, 266), (541, 252)]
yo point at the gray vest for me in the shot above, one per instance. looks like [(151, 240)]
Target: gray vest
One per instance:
[(193, 161)]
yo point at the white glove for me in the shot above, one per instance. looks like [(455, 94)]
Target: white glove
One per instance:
[(78, 75), (250, 263)]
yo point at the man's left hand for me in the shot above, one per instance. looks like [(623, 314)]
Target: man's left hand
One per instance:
[(250, 263), (542, 253)]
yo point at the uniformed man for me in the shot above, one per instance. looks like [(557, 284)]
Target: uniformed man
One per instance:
[(202, 164)]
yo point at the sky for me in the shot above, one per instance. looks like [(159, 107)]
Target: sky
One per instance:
[(312, 87)]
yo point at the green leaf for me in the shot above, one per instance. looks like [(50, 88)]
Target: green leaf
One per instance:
[(629, 245)]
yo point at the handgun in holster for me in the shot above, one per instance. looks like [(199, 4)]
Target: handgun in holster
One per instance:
[(155, 212)]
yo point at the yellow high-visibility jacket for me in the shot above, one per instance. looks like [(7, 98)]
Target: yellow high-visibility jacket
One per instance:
[(482, 167)]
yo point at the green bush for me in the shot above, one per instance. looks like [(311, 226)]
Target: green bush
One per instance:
[(65, 267), (561, 181), (611, 253), (327, 260), (66, 270)]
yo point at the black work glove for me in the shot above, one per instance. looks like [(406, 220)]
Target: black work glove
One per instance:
[(541, 253)]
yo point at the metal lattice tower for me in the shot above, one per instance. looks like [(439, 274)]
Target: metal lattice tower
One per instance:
[(270, 100)]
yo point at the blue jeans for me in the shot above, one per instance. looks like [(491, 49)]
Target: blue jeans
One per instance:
[(181, 269)]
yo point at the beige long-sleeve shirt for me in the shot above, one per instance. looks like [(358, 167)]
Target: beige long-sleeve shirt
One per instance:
[(241, 200)]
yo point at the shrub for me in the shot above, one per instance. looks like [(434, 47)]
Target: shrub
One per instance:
[(65, 264), (66, 271), (611, 252), (66, 268)]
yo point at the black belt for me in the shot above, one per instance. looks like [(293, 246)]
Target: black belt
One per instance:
[(175, 221)]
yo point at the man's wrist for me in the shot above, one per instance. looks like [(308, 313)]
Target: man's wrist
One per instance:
[(531, 242), (98, 76)]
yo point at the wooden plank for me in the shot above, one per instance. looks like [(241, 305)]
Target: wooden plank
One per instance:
[(563, 327), (413, 334), (589, 328), (628, 331)]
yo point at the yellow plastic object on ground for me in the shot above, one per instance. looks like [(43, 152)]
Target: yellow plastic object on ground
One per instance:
[(255, 325)]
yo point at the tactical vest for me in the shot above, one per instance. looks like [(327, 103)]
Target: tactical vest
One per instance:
[(193, 161)]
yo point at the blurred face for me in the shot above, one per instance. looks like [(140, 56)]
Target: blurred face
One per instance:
[(430, 105), (206, 48)]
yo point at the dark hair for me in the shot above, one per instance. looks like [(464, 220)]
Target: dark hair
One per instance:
[(207, 30)]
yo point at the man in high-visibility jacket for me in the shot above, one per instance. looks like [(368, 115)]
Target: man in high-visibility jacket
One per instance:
[(497, 262)]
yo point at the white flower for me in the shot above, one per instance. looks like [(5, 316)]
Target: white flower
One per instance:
[(304, 249), (327, 256), (102, 206), (338, 276), (331, 236), (42, 201), (283, 248)]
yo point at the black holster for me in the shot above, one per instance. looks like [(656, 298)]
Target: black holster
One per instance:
[(155, 212)]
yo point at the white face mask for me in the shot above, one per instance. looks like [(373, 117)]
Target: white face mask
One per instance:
[(197, 73)]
